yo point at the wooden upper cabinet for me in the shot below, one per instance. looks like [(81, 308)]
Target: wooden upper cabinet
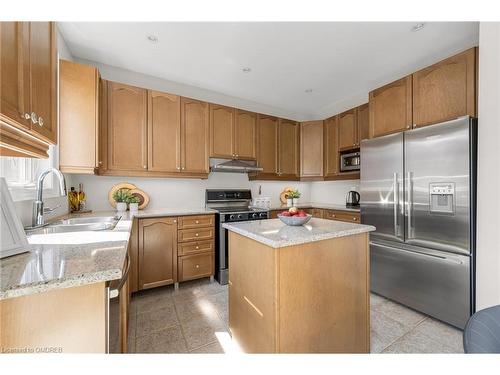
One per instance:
[(311, 149), (391, 108), (194, 136), (78, 117), (157, 252), (164, 132), (348, 130), (245, 135), (15, 72), (267, 156), (288, 149), (222, 128), (127, 127), (446, 90), (363, 123), (331, 165), (43, 69), (28, 92)]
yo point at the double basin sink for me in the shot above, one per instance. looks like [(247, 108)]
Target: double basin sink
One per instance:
[(79, 224)]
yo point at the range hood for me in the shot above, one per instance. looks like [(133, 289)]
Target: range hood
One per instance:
[(233, 166)]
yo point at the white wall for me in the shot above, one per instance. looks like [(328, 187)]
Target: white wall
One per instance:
[(488, 202), (183, 193)]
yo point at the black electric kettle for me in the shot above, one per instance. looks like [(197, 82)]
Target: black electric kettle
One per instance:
[(352, 199)]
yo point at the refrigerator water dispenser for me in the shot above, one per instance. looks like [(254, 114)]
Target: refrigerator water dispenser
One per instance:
[(441, 198)]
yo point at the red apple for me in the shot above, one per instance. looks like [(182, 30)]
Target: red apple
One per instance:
[(301, 214), (285, 213)]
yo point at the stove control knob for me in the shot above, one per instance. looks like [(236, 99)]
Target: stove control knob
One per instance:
[(263, 214), (254, 216), (231, 217), (240, 216)]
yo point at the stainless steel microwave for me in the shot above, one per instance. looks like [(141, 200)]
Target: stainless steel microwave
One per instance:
[(350, 162)]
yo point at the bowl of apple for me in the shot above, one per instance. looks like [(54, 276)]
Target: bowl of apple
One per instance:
[(294, 217)]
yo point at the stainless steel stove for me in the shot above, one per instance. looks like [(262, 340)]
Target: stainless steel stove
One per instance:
[(231, 205)]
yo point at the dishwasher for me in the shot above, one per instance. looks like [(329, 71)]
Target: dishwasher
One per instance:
[(118, 305)]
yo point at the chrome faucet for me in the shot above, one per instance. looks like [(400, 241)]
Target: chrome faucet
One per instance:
[(38, 210)]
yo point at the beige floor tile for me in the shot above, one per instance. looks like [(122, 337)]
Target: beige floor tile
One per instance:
[(202, 332), (155, 320), (200, 308), (417, 342), (375, 299), (399, 313), (213, 348), (443, 333), (168, 340), (384, 331), (150, 301)]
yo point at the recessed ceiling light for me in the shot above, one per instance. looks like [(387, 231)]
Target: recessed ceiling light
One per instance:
[(153, 38), (418, 27), (246, 70), (308, 91)]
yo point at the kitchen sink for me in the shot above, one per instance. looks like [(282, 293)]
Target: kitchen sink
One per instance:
[(79, 224)]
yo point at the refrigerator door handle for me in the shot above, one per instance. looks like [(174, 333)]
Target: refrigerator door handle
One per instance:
[(410, 203), (396, 202)]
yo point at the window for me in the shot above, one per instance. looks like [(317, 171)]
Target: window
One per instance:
[(21, 175)]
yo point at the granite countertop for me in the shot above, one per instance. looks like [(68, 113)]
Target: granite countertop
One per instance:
[(276, 234), (326, 206), (62, 260)]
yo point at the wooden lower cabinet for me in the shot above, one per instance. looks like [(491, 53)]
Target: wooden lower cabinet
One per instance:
[(288, 300), (350, 216), (168, 250), (157, 252), (196, 245), (196, 266)]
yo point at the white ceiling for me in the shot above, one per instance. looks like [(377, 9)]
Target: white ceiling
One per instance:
[(340, 62)]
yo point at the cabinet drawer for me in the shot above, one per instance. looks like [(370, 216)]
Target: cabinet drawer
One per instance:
[(186, 235), (198, 221), (196, 266), (189, 248), (342, 216)]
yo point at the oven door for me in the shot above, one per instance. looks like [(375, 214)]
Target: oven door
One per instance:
[(350, 162)]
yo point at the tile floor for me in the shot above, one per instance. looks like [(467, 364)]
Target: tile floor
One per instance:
[(194, 319)]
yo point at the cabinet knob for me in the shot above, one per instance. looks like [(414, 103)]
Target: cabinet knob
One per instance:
[(40, 121), (100, 162), (196, 235), (145, 166), (197, 247), (355, 218), (175, 221), (333, 215), (178, 168), (237, 156), (34, 118), (197, 266), (27, 116), (197, 222), (183, 168)]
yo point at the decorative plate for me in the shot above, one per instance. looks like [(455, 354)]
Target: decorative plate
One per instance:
[(284, 193), (121, 185), (143, 197)]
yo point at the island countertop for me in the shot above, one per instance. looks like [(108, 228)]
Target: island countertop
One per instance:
[(276, 234)]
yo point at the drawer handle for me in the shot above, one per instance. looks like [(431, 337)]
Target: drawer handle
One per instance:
[(197, 247), (196, 235), (355, 218), (197, 266), (197, 222)]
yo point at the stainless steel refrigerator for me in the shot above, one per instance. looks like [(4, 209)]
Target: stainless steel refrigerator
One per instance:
[(418, 190)]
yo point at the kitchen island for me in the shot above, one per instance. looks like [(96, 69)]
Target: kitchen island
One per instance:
[(299, 289)]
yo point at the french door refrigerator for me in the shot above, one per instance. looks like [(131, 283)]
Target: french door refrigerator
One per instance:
[(418, 190)]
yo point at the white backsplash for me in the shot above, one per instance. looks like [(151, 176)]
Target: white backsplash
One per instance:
[(186, 193), (174, 193), (332, 192)]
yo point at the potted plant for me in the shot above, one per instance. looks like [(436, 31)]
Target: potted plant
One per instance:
[(133, 203), (121, 197), (289, 199), (294, 195)]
